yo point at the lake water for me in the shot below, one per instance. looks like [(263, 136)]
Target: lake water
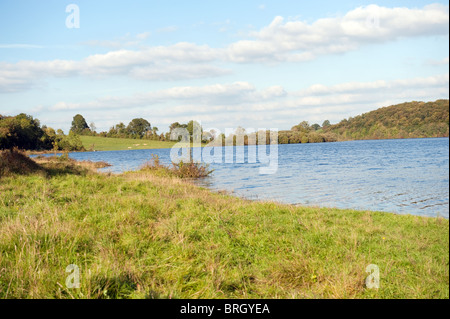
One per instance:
[(408, 176)]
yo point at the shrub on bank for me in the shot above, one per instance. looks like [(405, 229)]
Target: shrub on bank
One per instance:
[(182, 170)]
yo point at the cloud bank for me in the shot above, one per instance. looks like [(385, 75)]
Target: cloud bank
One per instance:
[(280, 42), (241, 103)]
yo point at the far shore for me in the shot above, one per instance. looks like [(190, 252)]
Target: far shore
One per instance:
[(110, 144)]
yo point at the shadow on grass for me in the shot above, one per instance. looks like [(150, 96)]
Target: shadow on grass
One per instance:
[(113, 287), (122, 286), (15, 162)]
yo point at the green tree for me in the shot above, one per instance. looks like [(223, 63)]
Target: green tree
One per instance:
[(22, 131), (119, 130), (71, 142), (326, 123), (79, 124), (138, 127), (155, 133)]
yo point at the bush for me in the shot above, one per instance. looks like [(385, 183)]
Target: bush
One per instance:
[(191, 170), (181, 170), (71, 142)]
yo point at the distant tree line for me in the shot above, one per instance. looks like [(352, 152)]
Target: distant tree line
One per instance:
[(406, 120), (138, 128)]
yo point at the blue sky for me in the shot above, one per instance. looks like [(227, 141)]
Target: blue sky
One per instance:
[(259, 64)]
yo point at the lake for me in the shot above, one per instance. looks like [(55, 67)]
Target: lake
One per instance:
[(405, 176)]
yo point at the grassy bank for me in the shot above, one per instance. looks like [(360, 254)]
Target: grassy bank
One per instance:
[(119, 144), (142, 235)]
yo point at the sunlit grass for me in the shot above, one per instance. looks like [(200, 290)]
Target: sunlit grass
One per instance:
[(141, 235), (117, 144)]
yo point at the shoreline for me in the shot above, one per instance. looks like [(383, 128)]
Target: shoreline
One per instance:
[(255, 197), (43, 152)]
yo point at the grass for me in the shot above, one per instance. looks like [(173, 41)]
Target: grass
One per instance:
[(141, 235), (119, 144)]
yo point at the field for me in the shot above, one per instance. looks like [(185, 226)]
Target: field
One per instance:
[(147, 235), (118, 144)]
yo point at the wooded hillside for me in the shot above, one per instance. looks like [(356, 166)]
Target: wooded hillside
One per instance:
[(406, 120)]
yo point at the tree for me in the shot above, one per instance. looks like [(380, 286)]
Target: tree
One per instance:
[(138, 127), (49, 138), (22, 131), (155, 133), (315, 127), (283, 139), (79, 124), (315, 138), (302, 127), (119, 130), (326, 123), (294, 138), (71, 142)]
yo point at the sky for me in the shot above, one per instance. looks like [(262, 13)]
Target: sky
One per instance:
[(254, 64)]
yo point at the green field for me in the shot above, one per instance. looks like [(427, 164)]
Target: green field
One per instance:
[(146, 235), (118, 144)]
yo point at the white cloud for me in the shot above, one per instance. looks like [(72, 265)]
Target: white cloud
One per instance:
[(176, 72), (358, 87), (280, 41), (242, 104), (204, 96), (299, 41), (180, 61)]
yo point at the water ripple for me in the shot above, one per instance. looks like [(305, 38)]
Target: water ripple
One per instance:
[(407, 176)]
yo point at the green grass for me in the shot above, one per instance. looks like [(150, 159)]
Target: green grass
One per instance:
[(118, 144), (140, 235)]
